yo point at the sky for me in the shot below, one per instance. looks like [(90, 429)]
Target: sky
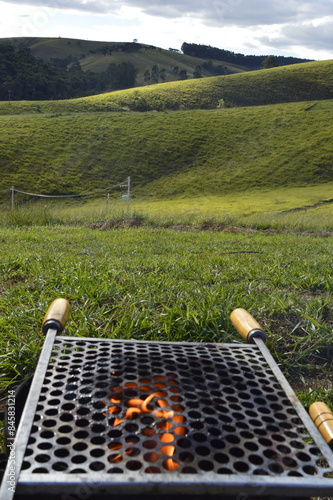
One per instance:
[(260, 27)]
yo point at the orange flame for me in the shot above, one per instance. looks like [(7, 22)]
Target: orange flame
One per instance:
[(168, 450), (135, 402), (162, 403), (165, 425), (179, 419), (114, 409), (167, 437), (132, 412), (181, 431), (170, 464), (163, 413), (115, 399), (115, 446), (137, 406), (144, 406)]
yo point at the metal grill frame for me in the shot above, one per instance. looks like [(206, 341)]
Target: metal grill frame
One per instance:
[(135, 483)]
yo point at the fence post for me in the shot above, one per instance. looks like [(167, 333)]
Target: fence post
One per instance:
[(12, 197), (128, 192)]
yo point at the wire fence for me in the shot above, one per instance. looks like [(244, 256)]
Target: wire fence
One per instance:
[(124, 184)]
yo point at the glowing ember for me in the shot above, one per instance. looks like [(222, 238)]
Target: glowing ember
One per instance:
[(168, 450), (162, 403), (165, 426), (163, 413), (135, 402), (144, 406), (170, 464), (114, 409), (155, 406), (117, 421), (115, 399), (115, 446), (132, 412), (167, 437), (178, 418)]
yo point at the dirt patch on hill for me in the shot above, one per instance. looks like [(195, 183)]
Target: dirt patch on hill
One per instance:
[(132, 222), (306, 207), (128, 222)]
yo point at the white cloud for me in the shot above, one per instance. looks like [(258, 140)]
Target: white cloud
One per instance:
[(312, 37), (215, 12), (288, 27)]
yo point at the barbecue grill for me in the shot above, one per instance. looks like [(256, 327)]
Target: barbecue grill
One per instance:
[(108, 418)]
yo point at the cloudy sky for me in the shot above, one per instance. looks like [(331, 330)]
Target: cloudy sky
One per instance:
[(301, 28)]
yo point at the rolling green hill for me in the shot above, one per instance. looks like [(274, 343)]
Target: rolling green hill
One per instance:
[(299, 82), (172, 153), (180, 144), (97, 56), (172, 65), (36, 69), (189, 57)]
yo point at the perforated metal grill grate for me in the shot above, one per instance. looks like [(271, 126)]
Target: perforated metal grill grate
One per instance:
[(122, 407)]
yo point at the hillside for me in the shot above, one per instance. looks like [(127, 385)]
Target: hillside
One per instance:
[(298, 82), (62, 68), (97, 55), (200, 136), (169, 154), (57, 68)]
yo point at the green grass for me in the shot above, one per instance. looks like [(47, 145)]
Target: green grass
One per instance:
[(294, 83), (78, 145), (89, 59), (158, 284), (233, 171), (308, 208), (277, 201), (147, 58), (189, 153), (254, 178), (155, 283)]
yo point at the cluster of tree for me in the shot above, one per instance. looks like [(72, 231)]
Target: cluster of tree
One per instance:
[(252, 62), (121, 76), (24, 77), (181, 73), (270, 62), (155, 74), (63, 63), (215, 70), (121, 47)]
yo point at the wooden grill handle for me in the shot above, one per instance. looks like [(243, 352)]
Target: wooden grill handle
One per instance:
[(246, 325), (323, 418), (56, 316)]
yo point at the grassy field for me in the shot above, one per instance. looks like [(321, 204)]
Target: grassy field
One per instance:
[(189, 153), (160, 284), (294, 83), (172, 270), (230, 207), (234, 207), (294, 209), (78, 145)]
